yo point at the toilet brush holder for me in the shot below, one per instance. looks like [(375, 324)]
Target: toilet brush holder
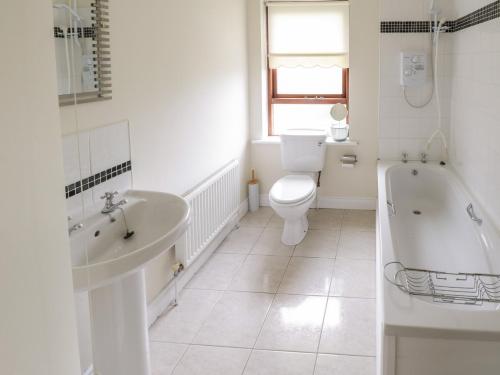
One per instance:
[(253, 193), (253, 197)]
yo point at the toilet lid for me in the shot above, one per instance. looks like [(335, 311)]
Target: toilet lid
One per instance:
[(292, 189)]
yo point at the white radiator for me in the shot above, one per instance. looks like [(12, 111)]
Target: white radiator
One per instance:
[(213, 204)]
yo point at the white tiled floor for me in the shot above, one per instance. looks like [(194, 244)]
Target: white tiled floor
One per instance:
[(259, 307)]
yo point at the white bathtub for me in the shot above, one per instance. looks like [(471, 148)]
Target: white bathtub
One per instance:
[(431, 229)]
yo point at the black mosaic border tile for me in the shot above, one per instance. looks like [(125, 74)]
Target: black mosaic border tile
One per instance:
[(85, 32), (411, 26), (88, 183), (484, 14)]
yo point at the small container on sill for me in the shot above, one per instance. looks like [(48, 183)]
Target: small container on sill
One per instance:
[(340, 132)]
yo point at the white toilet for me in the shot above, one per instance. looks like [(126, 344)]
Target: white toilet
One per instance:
[(303, 155)]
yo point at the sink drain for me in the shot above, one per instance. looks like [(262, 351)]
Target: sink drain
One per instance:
[(417, 212)]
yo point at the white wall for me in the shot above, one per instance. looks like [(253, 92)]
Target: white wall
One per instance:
[(37, 325), (403, 128), (180, 77), (475, 108), (257, 71), (338, 184)]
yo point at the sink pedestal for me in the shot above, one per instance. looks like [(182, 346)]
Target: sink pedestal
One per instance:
[(120, 327)]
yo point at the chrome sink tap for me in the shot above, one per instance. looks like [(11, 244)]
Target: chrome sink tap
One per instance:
[(110, 206)]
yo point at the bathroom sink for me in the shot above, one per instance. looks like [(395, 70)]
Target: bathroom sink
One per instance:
[(102, 252), (109, 254)]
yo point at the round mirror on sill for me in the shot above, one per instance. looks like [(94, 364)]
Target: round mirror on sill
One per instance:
[(339, 112)]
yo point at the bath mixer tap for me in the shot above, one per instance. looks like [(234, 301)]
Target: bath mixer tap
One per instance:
[(472, 214), (110, 205), (392, 208), (405, 157), (423, 157)]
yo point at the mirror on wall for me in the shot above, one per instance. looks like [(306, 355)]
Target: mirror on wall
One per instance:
[(81, 35)]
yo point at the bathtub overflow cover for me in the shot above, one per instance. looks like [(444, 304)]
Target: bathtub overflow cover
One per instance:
[(414, 172), (417, 212)]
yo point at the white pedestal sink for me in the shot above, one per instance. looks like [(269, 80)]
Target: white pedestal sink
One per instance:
[(111, 269)]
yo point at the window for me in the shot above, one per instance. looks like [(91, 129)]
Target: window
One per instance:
[(308, 63), (302, 97)]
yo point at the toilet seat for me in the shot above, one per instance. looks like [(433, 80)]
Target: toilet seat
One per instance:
[(292, 190)]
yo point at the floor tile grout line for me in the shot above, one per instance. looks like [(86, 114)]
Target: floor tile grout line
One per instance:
[(270, 350), (326, 306), (199, 329), (244, 260), (224, 292), (284, 293), (276, 255), (303, 256), (261, 234), (246, 255), (329, 287), (250, 254), (180, 358), (256, 226), (211, 257), (267, 315)]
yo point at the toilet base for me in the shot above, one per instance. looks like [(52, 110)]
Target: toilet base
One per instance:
[(295, 230)]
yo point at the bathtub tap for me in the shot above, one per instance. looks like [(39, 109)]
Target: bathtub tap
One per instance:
[(392, 209), (472, 214)]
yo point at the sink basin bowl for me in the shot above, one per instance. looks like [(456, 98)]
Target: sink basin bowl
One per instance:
[(100, 253)]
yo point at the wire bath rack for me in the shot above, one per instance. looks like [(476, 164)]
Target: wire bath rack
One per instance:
[(444, 287)]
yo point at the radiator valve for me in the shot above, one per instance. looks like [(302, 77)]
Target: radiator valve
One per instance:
[(177, 268)]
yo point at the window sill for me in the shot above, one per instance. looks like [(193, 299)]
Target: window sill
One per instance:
[(275, 140)]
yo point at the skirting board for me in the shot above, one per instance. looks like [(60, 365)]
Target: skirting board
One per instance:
[(162, 302), (344, 203)]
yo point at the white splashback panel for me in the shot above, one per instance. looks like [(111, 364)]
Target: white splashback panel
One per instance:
[(76, 157), (91, 152), (109, 146)]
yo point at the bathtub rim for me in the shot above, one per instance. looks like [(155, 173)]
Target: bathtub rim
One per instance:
[(404, 315)]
